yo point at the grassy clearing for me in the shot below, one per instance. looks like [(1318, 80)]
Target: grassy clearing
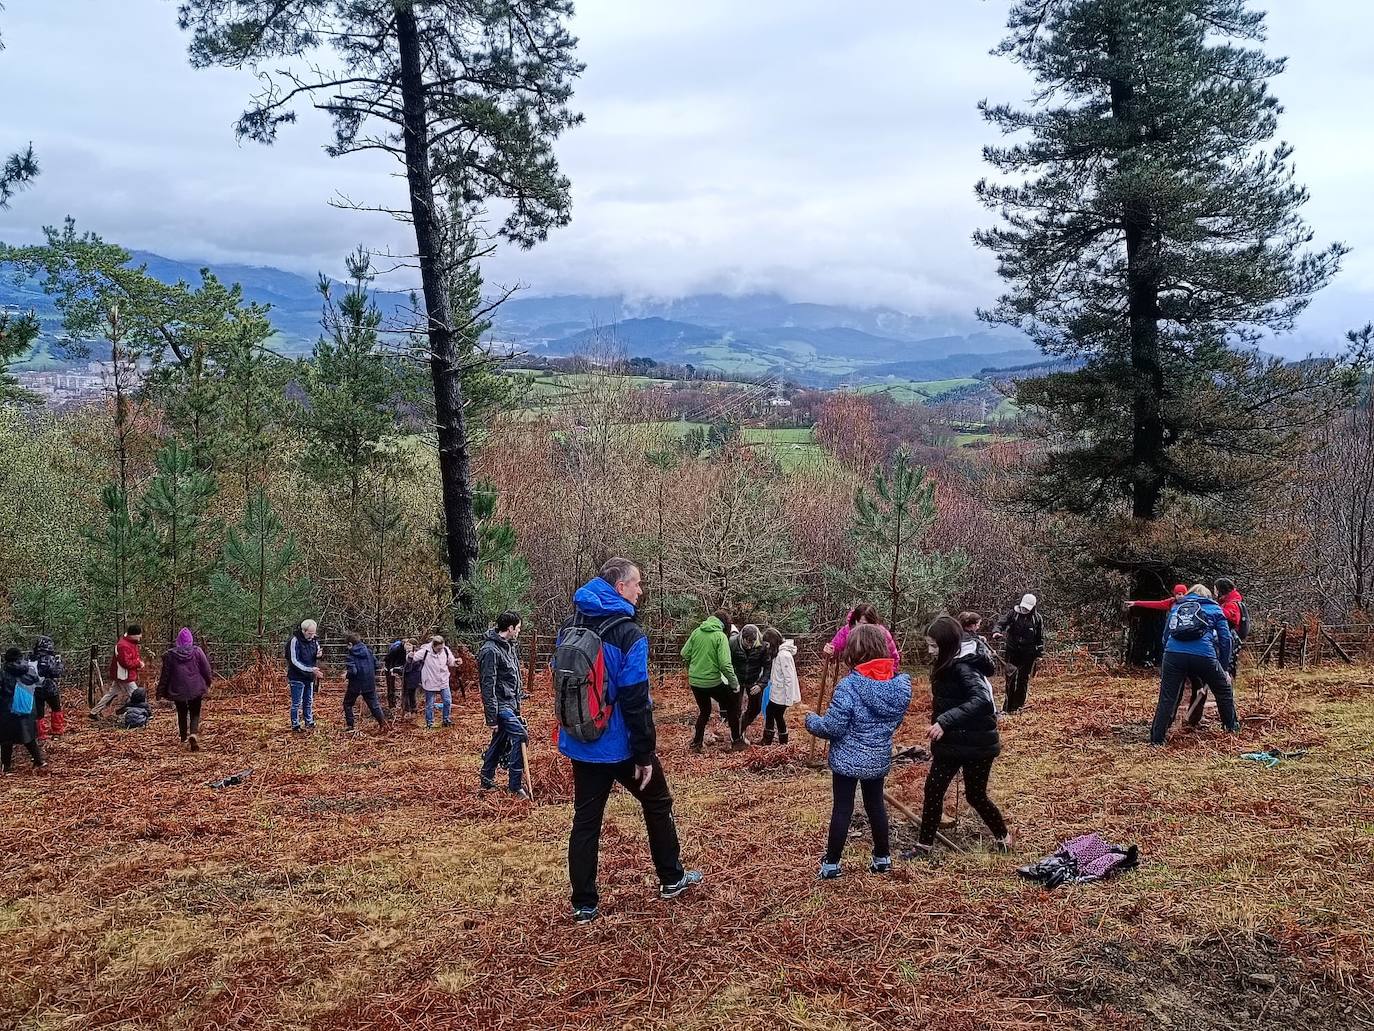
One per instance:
[(363, 882), (908, 391)]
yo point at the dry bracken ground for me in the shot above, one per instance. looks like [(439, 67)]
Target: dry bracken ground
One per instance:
[(357, 883)]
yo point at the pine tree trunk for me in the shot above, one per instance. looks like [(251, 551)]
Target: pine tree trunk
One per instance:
[(454, 473)]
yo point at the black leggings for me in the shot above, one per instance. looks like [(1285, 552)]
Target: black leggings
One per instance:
[(729, 709), (188, 717), (842, 812), (775, 720), (7, 754), (976, 773)]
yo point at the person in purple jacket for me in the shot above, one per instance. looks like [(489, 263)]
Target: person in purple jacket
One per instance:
[(184, 680)]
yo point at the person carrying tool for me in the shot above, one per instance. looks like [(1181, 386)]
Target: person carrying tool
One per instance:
[(498, 677)]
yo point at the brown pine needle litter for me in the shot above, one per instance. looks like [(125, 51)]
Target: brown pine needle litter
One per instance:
[(358, 883)]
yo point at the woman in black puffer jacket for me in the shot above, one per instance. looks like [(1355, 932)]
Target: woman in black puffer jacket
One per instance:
[(963, 733)]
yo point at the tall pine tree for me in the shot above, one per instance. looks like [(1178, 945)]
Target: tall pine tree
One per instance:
[(1154, 234), (258, 592), (468, 98)]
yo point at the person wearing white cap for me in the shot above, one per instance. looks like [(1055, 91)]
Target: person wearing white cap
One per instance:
[(1024, 633)]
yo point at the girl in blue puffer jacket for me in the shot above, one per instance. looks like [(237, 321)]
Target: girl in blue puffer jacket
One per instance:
[(867, 709)]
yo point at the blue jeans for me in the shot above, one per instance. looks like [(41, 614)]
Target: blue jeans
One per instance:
[(302, 703), (509, 728), (447, 696)]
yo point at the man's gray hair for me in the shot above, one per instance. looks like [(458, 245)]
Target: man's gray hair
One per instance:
[(617, 570)]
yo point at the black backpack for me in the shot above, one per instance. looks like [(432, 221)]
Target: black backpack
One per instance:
[(1243, 631), (579, 680), (1186, 622)]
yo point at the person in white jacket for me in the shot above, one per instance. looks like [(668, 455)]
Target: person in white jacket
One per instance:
[(783, 687), (436, 661)]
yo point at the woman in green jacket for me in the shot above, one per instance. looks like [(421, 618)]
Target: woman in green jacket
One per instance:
[(711, 675)]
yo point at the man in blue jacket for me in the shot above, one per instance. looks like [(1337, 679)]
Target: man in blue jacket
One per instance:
[(626, 751), (1197, 643)]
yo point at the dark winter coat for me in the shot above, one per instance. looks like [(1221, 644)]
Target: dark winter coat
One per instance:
[(17, 730), (302, 657), (498, 676), (137, 713), (396, 656), (185, 674), (862, 718), (1025, 634), (360, 669), (48, 661), (963, 705), (749, 663)]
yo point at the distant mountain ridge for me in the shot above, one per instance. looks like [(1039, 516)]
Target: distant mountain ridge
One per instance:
[(748, 335)]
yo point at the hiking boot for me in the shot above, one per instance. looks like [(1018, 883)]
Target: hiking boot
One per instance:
[(782, 740), (672, 891), (739, 746), (296, 728), (828, 871), (485, 784), (448, 723), (585, 914), (522, 795), (880, 864)]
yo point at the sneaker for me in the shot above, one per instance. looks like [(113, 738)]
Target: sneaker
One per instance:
[(585, 914), (828, 871), (484, 783), (353, 731), (448, 723), (739, 746), (672, 891), (880, 864), (296, 728), (310, 726)]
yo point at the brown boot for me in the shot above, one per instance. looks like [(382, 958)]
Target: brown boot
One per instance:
[(193, 742)]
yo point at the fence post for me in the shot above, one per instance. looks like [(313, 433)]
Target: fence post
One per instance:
[(534, 662), (1283, 646), (1302, 659), (1317, 645), (90, 676)]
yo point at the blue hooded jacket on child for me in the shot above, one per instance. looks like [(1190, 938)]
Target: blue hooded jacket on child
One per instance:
[(868, 707)]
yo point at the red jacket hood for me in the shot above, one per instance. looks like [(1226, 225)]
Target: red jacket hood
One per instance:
[(877, 669)]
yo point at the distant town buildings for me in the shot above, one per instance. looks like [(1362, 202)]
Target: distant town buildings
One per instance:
[(78, 384)]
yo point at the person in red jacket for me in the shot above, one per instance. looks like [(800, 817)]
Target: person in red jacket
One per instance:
[(1163, 604), (1233, 607), (124, 669)]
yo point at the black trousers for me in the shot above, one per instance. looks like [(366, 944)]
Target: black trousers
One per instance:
[(392, 678), (368, 693), (1019, 670), (842, 813), (46, 699), (938, 779), (752, 708), (592, 783), (776, 719), (729, 710), (188, 717), (1173, 671), (34, 749)]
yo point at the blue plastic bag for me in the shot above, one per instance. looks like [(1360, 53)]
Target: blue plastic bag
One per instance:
[(23, 701)]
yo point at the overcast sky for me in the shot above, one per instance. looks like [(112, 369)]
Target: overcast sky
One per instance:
[(826, 151)]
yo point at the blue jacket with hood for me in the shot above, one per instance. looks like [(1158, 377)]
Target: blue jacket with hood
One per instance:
[(360, 668), (1216, 644), (625, 650), (862, 718)]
